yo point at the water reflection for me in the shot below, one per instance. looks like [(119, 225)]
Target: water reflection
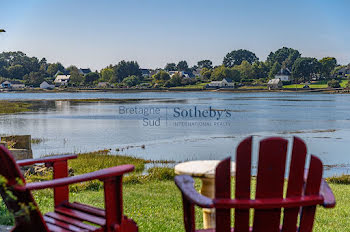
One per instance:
[(77, 126)]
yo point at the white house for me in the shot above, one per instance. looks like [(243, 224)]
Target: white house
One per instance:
[(62, 79), (284, 74), (274, 84), (45, 85), (225, 83)]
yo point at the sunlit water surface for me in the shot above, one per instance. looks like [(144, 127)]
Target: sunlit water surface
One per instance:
[(176, 126)]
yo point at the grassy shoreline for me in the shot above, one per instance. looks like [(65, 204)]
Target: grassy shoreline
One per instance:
[(153, 200), (10, 107)]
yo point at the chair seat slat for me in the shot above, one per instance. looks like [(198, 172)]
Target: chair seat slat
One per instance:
[(81, 215), (71, 221)]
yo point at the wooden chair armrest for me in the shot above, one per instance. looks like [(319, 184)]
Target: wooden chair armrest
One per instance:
[(100, 175), (327, 194), (46, 160), (186, 185)]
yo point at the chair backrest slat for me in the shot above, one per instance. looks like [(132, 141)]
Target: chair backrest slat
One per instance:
[(312, 188), (295, 183), (223, 190), (18, 201), (270, 180), (243, 178)]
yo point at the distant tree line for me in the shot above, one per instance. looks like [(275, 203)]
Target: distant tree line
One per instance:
[(239, 65)]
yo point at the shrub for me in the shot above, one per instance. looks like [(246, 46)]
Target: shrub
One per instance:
[(333, 84), (343, 179)]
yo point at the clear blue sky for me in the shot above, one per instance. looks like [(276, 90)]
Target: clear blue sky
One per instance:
[(153, 32)]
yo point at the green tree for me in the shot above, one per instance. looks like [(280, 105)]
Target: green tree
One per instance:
[(175, 80), (161, 76), (91, 77), (205, 64), (327, 66), (274, 69), (206, 73), (286, 56), (237, 56), (245, 69), (52, 69), (34, 78), (132, 80), (305, 67), (16, 71), (170, 67), (108, 75), (126, 68), (222, 72), (76, 79), (182, 66), (260, 70)]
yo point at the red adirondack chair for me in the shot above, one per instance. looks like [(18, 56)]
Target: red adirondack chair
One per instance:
[(66, 216), (302, 195)]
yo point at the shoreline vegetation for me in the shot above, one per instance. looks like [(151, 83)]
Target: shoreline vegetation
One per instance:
[(150, 195)]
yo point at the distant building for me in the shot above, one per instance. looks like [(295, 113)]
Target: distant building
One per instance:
[(12, 85), (284, 74), (45, 85), (145, 72), (62, 80), (182, 74), (274, 84), (6, 85), (344, 71), (64, 72), (84, 71), (225, 83), (103, 84)]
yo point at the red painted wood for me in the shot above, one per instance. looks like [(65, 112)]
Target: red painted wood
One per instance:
[(71, 221), (81, 215), (86, 208), (312, 188), (55, 228), (189, 218), (10, 170), (67, 216), (223, 191), (268, 203), (269, 194), (64, 225), (60, 170), (49, 159), (114, 201), (100, 174), (270, 180), (295, 183), (242, 185)]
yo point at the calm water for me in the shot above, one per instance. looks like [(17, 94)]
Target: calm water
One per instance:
[(184, 126)]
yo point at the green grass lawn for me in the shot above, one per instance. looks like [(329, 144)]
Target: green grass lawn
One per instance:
[(320, 85), (196, 86), (154, 201), (253, 87)]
